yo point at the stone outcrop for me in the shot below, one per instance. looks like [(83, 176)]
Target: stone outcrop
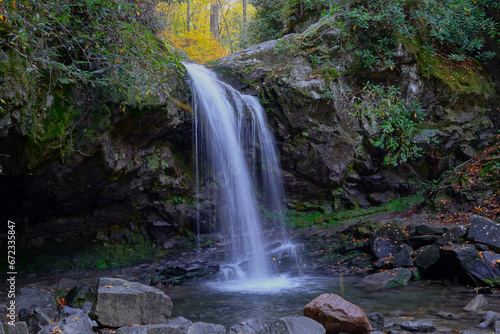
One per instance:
[(386, 279), (337, 315), (120, 303), (305, 81)]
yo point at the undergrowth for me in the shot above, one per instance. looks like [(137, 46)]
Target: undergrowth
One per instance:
[(307, 219)]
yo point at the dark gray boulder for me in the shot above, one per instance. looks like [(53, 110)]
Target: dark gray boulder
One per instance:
[(149, 329), (17, 328), (403, 257), (384, 263), (418, 241), (120, 303), (427, 259), (389, 239), (29, 296), (489, 320), (386, 279), (419, 326), (254, 326), (492, 258), (74, 321), (452, 235), (35, 318), (206, 328), (177, 325), (296, 325), (465, 263), (377, 321), (485, 231), (429, 230)]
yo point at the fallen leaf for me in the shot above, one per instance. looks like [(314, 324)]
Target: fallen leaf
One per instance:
[(74, 319), (108, 286)]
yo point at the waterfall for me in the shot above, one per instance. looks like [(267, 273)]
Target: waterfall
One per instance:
[(236, 150)]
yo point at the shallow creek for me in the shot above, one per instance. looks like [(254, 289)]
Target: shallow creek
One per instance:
[(228, 304)]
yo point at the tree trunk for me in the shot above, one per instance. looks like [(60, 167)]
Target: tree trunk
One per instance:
[(188, 17), (245, 24), (214, 20)]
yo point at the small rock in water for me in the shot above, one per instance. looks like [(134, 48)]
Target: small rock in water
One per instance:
[(386, 279), (419, 326), (448, 315), (477, 303), (489, 319)]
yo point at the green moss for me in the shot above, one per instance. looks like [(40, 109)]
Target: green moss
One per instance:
[(458, 76), (125, 247), (303, 220)]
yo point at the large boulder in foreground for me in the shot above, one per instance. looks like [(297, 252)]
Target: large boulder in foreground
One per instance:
[(338, 315), (386, 279), (120, 303)]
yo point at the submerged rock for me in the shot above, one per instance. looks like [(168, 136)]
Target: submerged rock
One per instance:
[(386, 279), (419, 326), (120, 303), (296, 325), (477, 303), (489, 319), (337, 315)]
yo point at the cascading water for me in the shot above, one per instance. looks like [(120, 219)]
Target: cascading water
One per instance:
[(232, 139)]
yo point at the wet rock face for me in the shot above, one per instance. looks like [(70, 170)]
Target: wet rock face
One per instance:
[(123, 166), (337, 315), (324, 147)]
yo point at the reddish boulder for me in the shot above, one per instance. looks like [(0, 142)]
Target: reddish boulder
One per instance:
[(338, 315)]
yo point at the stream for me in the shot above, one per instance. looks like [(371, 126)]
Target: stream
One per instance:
[(212, 302)]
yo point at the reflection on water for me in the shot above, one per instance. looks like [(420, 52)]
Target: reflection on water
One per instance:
[(228, 304)]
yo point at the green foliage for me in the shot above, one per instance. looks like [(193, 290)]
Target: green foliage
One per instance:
[(275, 18), (457, 28), (399, 122), (94, 43)]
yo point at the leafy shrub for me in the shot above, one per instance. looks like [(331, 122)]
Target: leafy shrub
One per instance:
[(105, 43), (398, 122), (455, 27)]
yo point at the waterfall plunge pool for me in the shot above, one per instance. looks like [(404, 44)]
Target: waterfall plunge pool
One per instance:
[(229, 303)]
